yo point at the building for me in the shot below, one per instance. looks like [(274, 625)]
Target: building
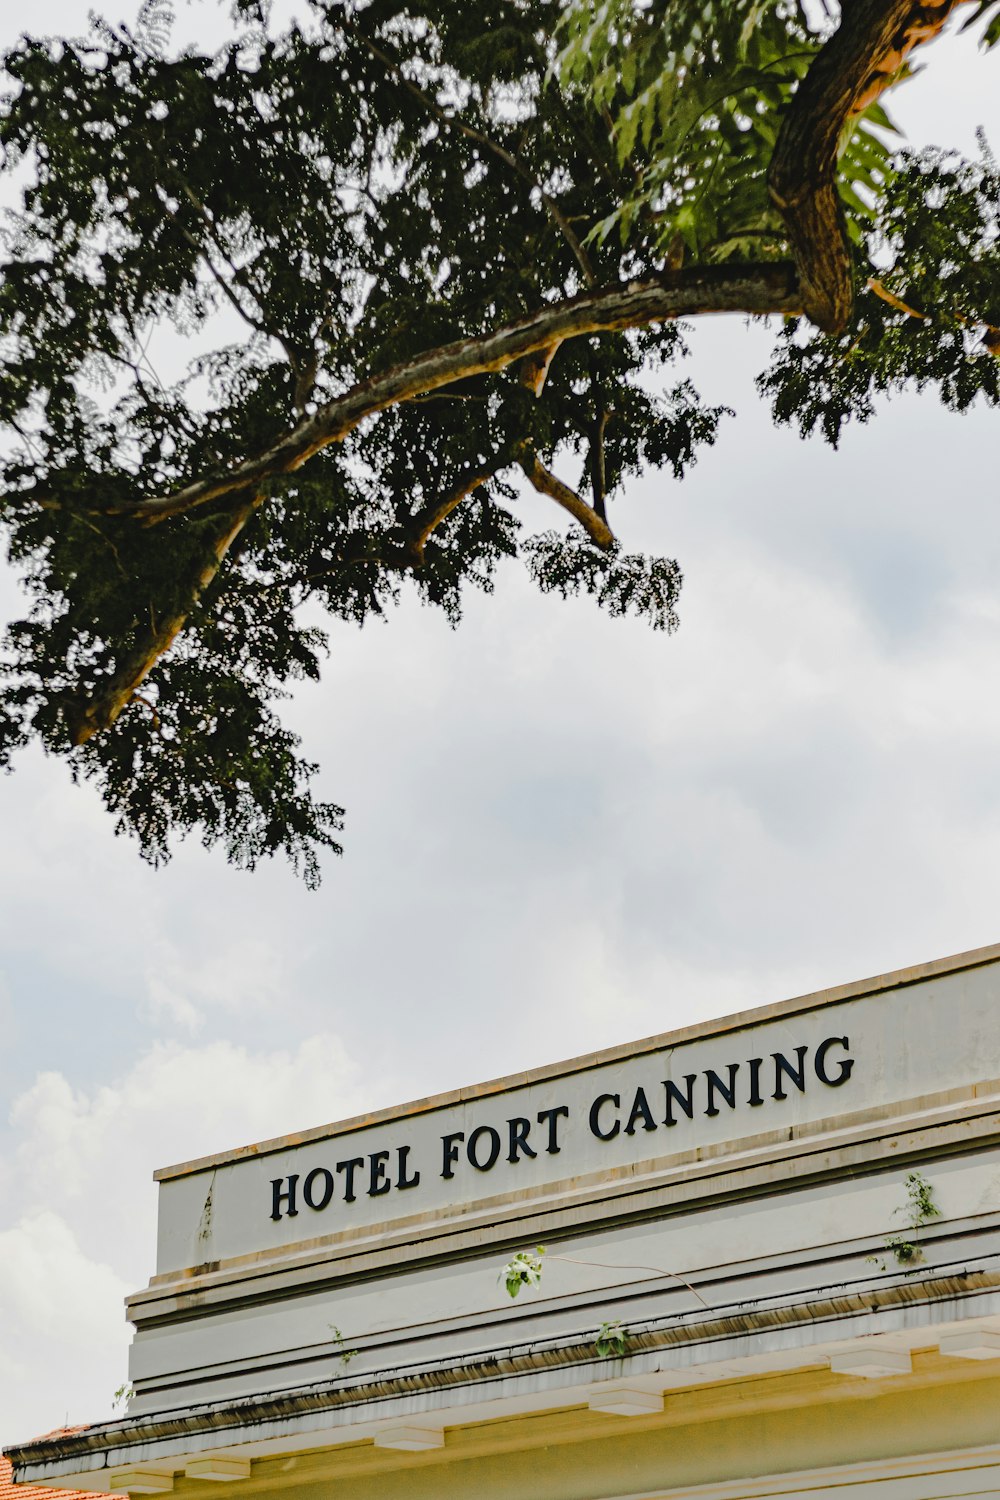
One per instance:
[(771, 1268), (35, 1492)]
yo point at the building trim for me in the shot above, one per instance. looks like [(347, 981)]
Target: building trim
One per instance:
[(665, 1041), (661, 1188), (806, 1327)]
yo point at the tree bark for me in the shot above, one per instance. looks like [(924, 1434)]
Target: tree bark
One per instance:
[(547, 483), (436, 511), (100, 711), (856, 65)]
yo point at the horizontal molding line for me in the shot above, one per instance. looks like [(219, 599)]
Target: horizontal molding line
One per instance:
[(112, 1445), (667, 1196), (736, 1288), (973, 1101), (983, 1464), (648, 1337)]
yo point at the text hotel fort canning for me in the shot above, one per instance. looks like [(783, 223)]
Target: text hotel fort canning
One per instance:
[(771, 1268)]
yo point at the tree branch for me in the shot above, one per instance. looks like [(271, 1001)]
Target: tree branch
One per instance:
[(535, 370), (546, 483), (99, 711), (434, 512), (860, 60), (752, 289), (991, 335), (597, 464), (885, 295), (409, 554)]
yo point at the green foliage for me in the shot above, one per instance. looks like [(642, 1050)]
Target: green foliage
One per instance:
[(628, 583), (522, 1270), (208, 249), (935, 249), (694, 90), (612, 1340), (307, 209), (344, 1355), (919, 1209), (989, 10)]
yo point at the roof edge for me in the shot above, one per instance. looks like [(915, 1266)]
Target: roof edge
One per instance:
[(105, 1445), (974, 958)]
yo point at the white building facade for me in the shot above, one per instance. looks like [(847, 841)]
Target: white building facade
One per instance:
[(770, 1267)]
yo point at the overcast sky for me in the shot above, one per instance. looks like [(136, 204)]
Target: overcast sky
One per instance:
[(563, 832)]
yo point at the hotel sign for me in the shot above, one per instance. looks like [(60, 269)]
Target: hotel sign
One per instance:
[(660, 1106), (625, 1116)]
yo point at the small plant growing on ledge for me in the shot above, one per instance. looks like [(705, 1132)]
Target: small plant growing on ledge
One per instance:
[(612, 1340), (523, 1269), (919, 1209), (122, 1396), (343, 1355)]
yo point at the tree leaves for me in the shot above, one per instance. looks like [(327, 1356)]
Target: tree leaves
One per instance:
[(623, 583), (930, 315), (304, 213), (694, 91), (309, 208)]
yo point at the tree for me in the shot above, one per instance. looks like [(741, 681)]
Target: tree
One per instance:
[(425, 250)]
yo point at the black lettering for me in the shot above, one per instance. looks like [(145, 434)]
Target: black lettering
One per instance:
[(846, 1064), (472, 1150), (683, 1101), (378, 1182), (349, 1168), (402, 1181), (715, 1085), (553, 1116), (318, 1174), (518, 1129), (755, 1064), (449, 1145), (795, 1071), (595, 1117), (640, 1111), (279, 1194)]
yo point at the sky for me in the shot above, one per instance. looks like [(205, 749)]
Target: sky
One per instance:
[(563, 831)]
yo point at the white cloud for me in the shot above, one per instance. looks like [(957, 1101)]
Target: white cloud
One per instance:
[(241, 975), (64, 1335), (176, 1102), (79, 1179), (167, 1005), (52, 1288)]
